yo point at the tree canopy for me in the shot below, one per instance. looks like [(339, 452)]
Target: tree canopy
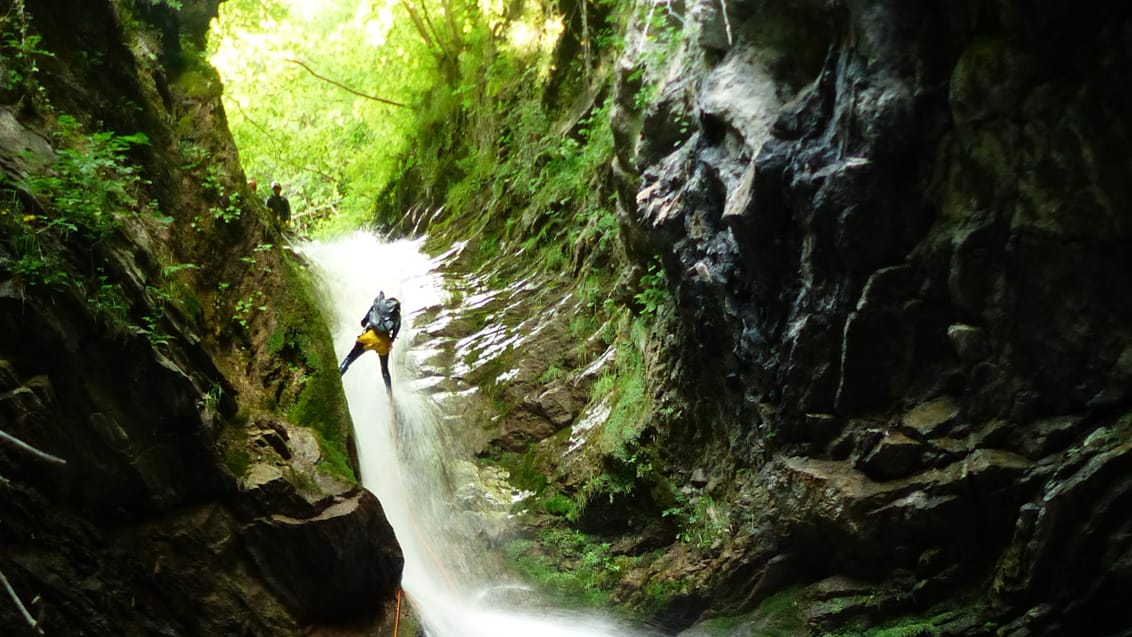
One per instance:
[(320, 96), (329, 96)]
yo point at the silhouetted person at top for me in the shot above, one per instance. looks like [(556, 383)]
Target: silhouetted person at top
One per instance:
[(279, 204), (379, 328)]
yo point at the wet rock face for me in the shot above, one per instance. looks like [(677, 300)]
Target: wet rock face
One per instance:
[(913, 257), (333, 566)]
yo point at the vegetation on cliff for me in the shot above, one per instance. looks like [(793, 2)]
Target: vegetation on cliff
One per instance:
[(157, 337), (803, 232), (820, 309), (507, 141)]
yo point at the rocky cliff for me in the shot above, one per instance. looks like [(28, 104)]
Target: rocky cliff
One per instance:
[(887, 391), (897, 235), (877, 377), (190, 468)]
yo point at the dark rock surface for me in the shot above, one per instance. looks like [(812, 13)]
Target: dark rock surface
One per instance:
[(903, 269)]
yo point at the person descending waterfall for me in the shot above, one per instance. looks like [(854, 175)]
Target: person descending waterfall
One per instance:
[(379, 328)]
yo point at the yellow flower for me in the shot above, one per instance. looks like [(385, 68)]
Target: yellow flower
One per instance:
[(29, 218)]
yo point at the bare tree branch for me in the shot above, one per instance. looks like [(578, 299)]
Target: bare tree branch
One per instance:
[(422, 28), (20, 444), (279, 147), (347, 88), (30, 449), (19, 604), (726, 22)]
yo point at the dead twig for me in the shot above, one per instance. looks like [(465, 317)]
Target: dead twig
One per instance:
[(19, 604), (20, 444), (42, 455)]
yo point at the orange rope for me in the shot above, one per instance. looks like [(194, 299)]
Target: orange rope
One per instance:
[(412, 519), (397, 615)]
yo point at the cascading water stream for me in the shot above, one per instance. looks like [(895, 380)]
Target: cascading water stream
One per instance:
[(403, 459)]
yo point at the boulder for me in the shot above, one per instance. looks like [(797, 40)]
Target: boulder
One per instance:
[(342, 565)]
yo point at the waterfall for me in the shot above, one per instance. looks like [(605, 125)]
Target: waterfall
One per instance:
[(402, 457)]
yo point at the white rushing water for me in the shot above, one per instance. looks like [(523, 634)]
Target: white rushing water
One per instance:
[(401, 458)]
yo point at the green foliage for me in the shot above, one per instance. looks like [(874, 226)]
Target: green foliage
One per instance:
[(210, 400), (299, 79), (654, 289), (909, 627), (78, 197), (592, 568), (660, 593), (920, 629), (319, 403), (624, 384), (152, 328), (110, 304), (192, 155), (229, 206), (701, 521), (552, 374), (663, 36), (34, 266), (334, 458), (495, 144), (248, 306), (626, 466), (609, 484), (779, 615), (19, 51), (523, 470), (562, 505), (87, 185)]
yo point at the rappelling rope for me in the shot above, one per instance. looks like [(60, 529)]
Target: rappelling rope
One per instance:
[(412, 518), (412, 521), (397, 614)]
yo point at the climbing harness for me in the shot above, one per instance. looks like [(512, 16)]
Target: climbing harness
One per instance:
[(375, 341)]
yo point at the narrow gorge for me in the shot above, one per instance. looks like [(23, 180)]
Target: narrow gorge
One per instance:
[(759, 319)]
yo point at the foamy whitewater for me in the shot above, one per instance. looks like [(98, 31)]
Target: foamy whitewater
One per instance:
[(400, 458)]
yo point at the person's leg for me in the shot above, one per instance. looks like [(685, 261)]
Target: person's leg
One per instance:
[(354, 354), (385, 373)]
